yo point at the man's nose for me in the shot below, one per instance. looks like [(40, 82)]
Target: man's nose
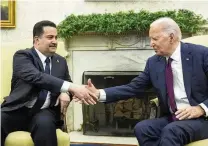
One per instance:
[(151, 43), (54, 40)]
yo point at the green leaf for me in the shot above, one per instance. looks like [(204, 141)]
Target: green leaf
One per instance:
[(122, 22)]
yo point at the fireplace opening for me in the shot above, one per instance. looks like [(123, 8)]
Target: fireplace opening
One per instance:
[(117, 118)]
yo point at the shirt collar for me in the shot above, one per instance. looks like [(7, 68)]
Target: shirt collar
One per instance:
[(176, 56), (41, 56)]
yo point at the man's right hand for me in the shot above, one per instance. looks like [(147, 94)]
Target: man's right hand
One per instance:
[(90, 87), (82, 94)]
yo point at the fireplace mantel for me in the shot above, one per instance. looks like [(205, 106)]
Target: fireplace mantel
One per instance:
[(102, 53), (107, 42)]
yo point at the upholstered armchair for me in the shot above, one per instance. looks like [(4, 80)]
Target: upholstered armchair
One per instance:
[(23, 138)]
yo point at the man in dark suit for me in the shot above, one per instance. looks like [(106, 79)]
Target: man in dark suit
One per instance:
[(40, 79), (179, 74)]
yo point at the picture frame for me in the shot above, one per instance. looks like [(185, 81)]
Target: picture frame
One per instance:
[(8, 12)]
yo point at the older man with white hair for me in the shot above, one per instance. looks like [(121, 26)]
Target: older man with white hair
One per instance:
[(180, 79), (179, 74)]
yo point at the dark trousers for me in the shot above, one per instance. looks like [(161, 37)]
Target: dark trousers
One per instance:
[(161, 132), (42, 125)]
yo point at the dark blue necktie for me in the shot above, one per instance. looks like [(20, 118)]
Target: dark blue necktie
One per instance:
[(169, 86), (43, 93)]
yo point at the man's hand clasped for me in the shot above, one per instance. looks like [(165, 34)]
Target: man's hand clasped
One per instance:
[(86, 94)]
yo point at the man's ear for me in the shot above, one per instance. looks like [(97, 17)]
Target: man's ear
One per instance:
[(172, 37), (36, 39)]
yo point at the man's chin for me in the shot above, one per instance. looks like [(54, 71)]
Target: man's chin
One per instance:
[(158, 53), (53, 49)]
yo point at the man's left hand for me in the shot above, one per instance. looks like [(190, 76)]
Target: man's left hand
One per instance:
[(92, 89), (64, 101), (190, 112)]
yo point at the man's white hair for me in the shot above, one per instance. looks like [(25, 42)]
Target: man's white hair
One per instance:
[(169, 26)]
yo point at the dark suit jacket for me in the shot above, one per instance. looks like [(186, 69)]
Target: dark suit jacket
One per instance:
[(195, 69), (29, 78)]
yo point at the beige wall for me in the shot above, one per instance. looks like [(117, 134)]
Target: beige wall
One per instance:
[(202, 40)]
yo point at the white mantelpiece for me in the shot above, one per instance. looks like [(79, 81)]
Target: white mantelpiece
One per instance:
[(103, 53)]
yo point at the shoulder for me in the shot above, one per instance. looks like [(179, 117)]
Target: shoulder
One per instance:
[(59, 56), (195, 48), (154, 58), (26, 52), (59, 59)]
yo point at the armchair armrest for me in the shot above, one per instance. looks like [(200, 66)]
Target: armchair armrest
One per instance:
[(154, 102), (154, 108), (64, 126)]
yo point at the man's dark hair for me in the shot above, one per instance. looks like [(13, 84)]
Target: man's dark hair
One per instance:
[(38, 27)]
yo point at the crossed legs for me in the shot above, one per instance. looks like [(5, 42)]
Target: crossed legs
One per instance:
[(160, 132)]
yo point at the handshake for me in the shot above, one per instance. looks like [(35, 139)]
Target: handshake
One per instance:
[(86, 94)]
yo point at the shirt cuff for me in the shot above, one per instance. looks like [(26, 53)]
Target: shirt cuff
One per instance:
[(102, 95), (66, 85), (204, 108)]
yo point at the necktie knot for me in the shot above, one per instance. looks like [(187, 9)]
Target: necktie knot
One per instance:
[(47, 61), (169, 61)]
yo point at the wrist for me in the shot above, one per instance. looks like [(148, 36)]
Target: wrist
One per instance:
[(203, 113), (72, 90), (97, 93), (70, 95), (73, 87)]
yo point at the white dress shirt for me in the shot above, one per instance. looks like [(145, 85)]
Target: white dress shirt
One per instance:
[(178, 83), (65, 87)]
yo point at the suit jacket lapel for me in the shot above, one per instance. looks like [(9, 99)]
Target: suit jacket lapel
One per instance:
[(37, 58), (55, 65), (54, 62), (161, 63), (186, 58)]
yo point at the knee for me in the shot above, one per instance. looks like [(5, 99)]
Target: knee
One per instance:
[(141, 128), (171, 130), (44, 123), (43, 131), (42, 127)]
